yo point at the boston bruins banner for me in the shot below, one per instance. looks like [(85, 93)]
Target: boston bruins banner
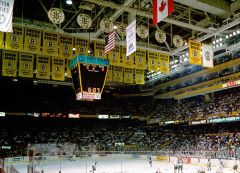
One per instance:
[(66, 46), (109, 74), (128, 75), (127, 61), (140, 59), (195, 52), (153, 60), (14, 40), (114, 56), (99, 50), (43, 67), (50, 43), (32, 40), (26, 65), (9, 63), (58, 65), (117, 74), (164, 63), (81, 46), (1, 40), (69, 74), (139, 77)]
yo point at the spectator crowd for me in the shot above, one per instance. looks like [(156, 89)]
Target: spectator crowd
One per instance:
[(219, 140)]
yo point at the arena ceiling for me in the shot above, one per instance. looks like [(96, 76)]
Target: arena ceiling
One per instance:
[(204, 20)]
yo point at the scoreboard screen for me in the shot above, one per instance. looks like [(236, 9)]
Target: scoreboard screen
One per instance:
[(89, 79), (92, 77)]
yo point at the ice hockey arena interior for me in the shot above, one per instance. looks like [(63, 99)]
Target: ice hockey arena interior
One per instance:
[(119, 86)]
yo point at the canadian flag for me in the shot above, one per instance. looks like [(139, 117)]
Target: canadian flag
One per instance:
[(161, 10)]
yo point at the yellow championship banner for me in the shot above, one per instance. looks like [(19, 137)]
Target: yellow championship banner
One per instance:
[(195, 52), (128, 75), (32, 40), (114, 56), (14, 40), (26, 65), (9, 63), (99, 50), (164, 64), (127, 61), (58, 68), (1, 40), (109, 74), (43, 67), (139, 77), (117, 74), (69, 74), (140, 59), (66, 47), (50, 43), (81, 46), (153, 60)]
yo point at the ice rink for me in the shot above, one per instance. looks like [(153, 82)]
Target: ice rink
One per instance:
[(111, 166)]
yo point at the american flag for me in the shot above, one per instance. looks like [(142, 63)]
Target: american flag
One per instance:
[(110, 42)]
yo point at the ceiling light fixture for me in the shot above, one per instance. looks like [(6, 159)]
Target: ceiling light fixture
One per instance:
[(69, 2)]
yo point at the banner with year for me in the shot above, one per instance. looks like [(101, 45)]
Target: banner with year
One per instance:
[(43, 67), (26, 65), (58, 66), (32, 40), (50, 43), (9, 63), (14, 40)]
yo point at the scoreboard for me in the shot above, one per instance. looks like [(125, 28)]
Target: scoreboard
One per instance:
[(89, 76)]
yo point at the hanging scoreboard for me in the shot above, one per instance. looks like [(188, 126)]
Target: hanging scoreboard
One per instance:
[(89, 76)]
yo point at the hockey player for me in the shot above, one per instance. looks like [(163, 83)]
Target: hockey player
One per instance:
[(221, 164), (150, 160), (94, 167), (175, 166), (209, 164), (235, 167), (180, 165)]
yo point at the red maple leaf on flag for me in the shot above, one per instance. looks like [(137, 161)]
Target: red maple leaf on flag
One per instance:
[(162, 6)]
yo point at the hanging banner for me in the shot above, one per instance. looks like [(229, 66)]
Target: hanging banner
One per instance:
[(195, 52), (153, 60), (6, 14), (32, 40), (1, 40), (9, 63), (26, 65), (68, 70), (50, 43), (81, 46), (164, 65), (114, 56), (128, 75), (66, 47), (139, 77), (131, 38), (117, 74), (109, 74), (43, 67), (140, 59), (14, 40), (127, 61), (207, 54), (58, 65), (99, 49)]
